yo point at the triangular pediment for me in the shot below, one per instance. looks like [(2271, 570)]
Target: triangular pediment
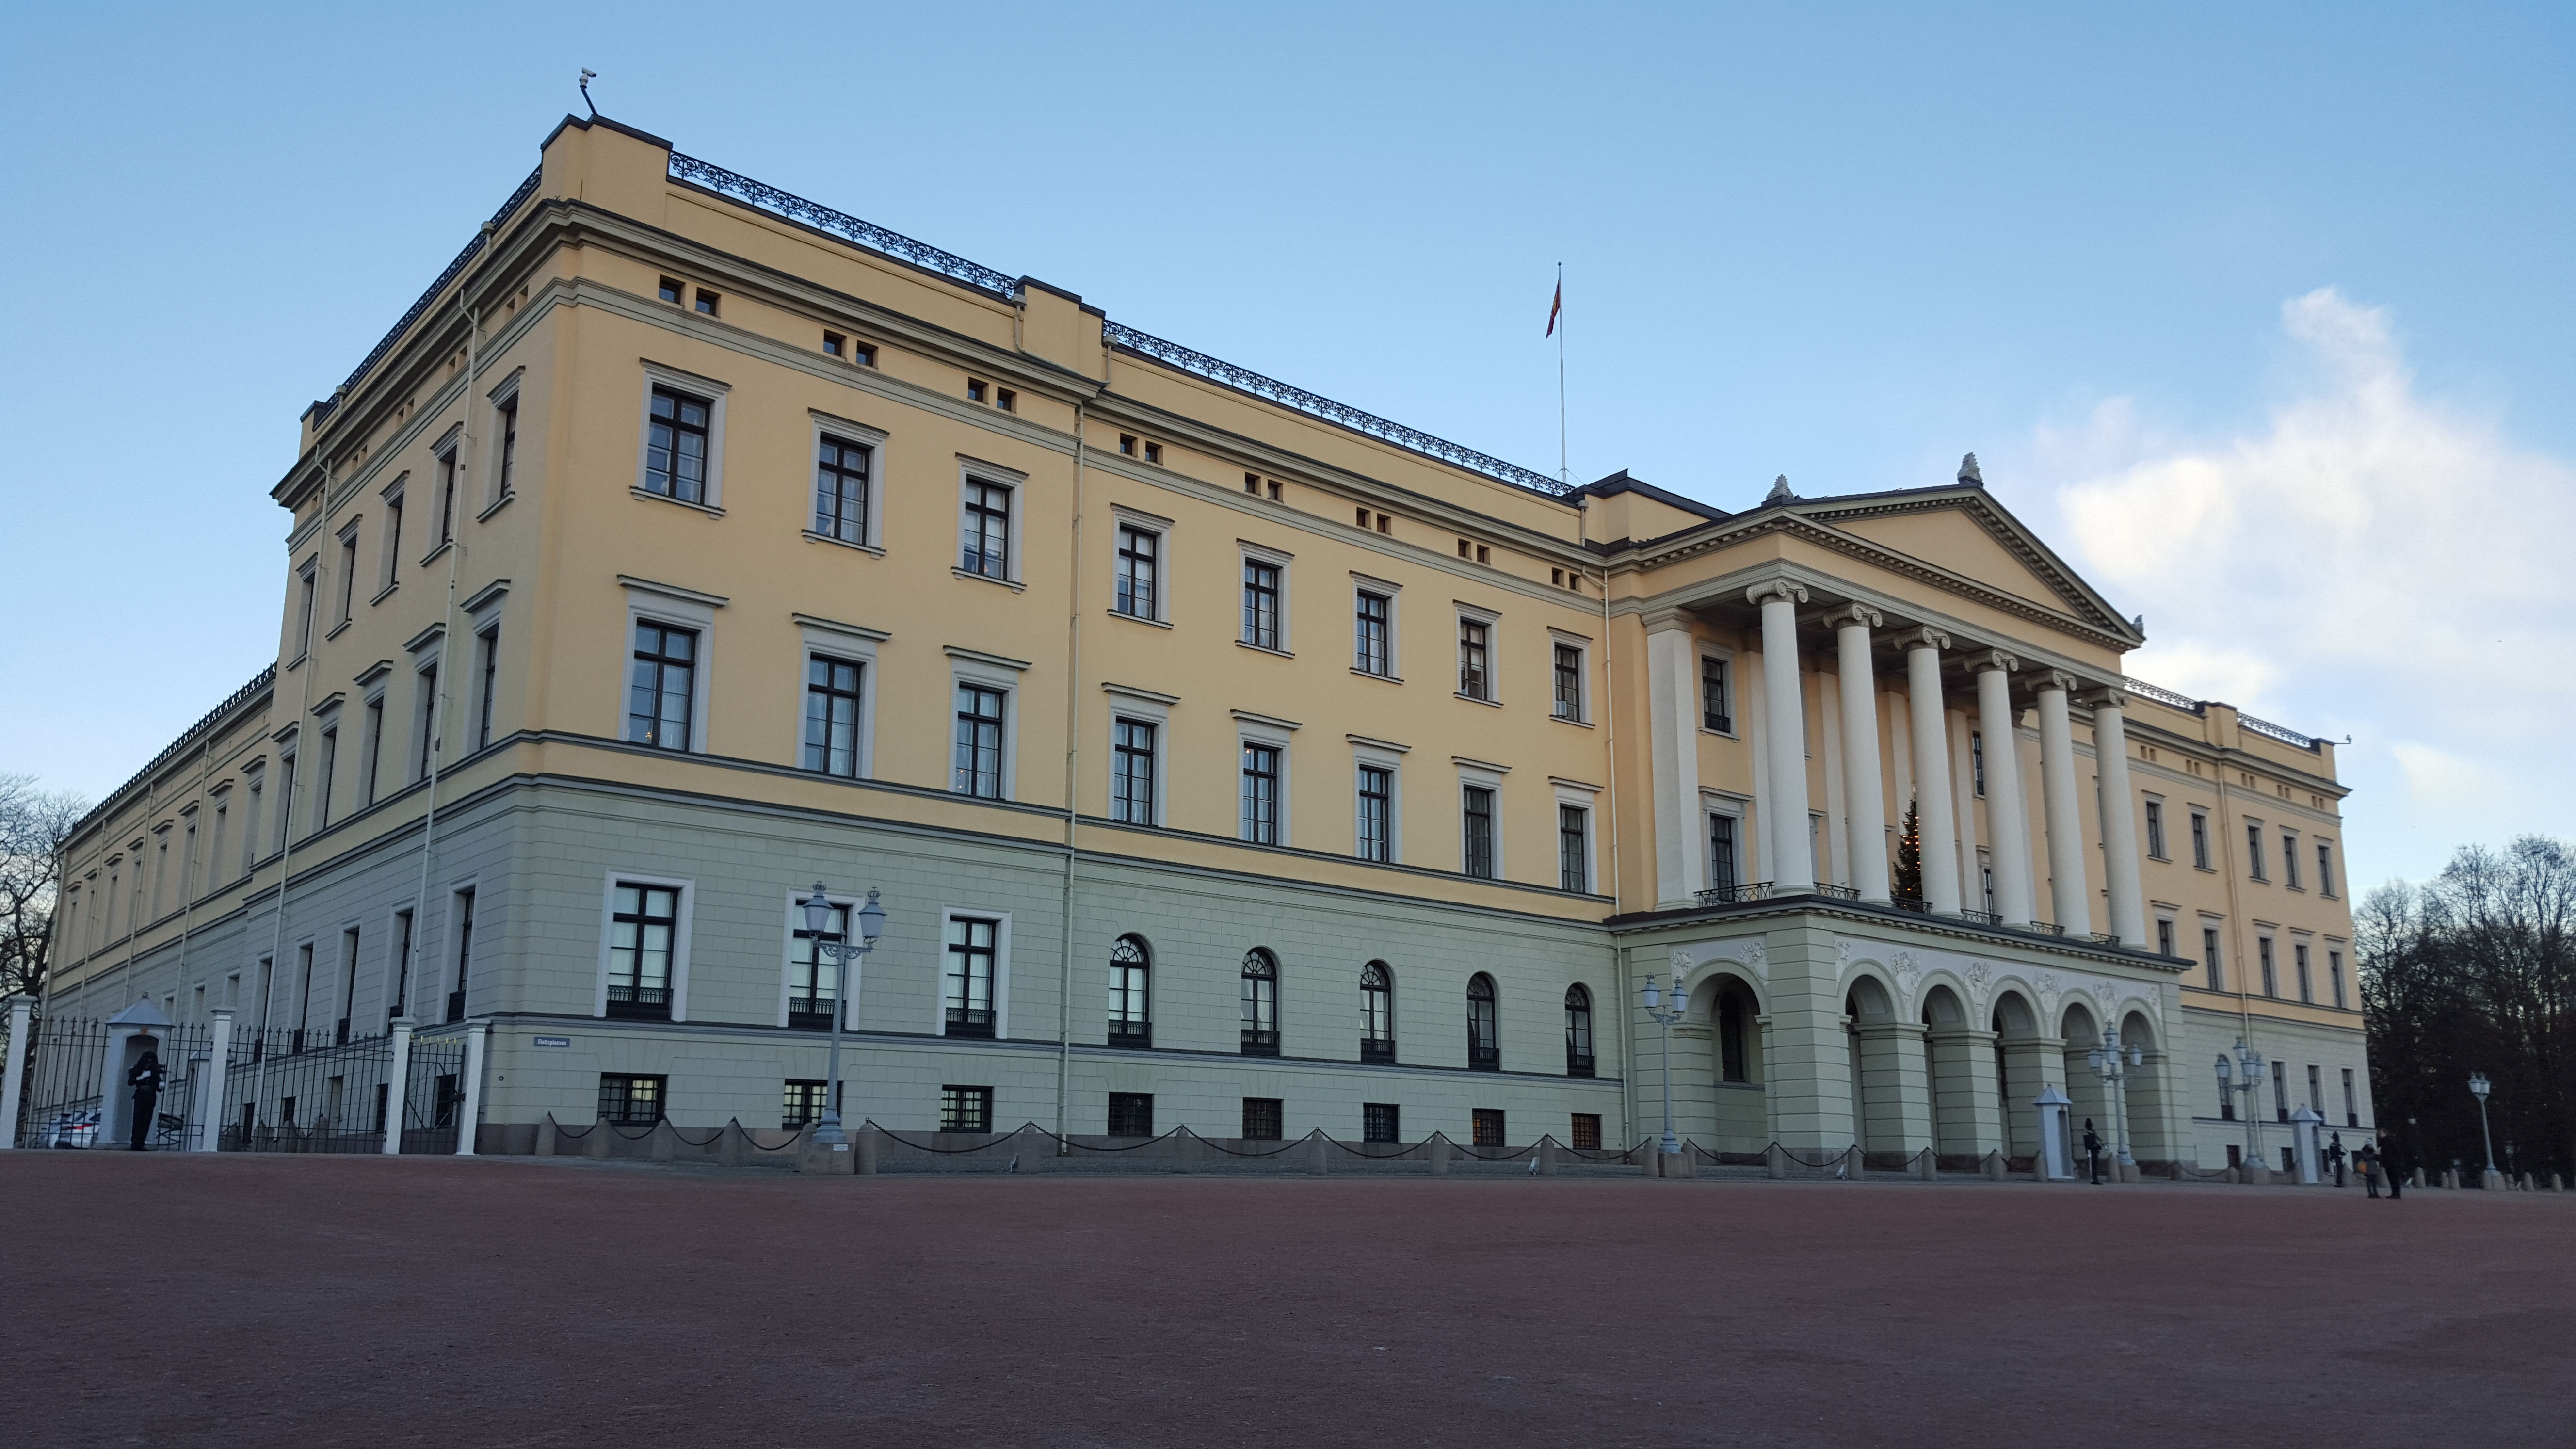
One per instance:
[(1963, 531)]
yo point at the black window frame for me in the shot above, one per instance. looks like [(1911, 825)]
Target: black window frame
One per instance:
[(1131, 1114), (964, 965), (809, 1008), (843, 490), (1486, 1127), (800, 1102), (1135, 745), (1567, 671), (1725, 863), (1376, 814), (1585, 1130), (1265, 1119), (1484, 1025), (1261, 800), (1573, 847), (1381, 1122), (1476, 658), (1977, 761), (2200, 839), (1734, 1038), (1476, 854), (1716, 695), (965, 1109), (618, 1090), (1262, 582), (509, 470), (1131, 993), (1373, 626), (1260, 1003), (462, 905), (640, 1001), (2211, 960), (487, 646), (2156, 830), (835, 694), (977, 756), (669, 439), (1580, 1060), (984, 529), (1377, 1013), (651, 668), (1139, 588)]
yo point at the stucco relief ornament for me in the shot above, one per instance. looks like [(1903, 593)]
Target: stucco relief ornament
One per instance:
[(1902, 963), (1681, 960), (1842, 951), (2047, 984), (1978, 986), (2102, 994)]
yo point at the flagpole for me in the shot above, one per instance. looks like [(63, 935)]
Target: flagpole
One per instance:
[(1564, 475)]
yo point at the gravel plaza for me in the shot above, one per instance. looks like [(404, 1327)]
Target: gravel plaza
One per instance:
[(231, 1299)]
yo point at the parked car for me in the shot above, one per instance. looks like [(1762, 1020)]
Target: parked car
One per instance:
[(72, 1129)]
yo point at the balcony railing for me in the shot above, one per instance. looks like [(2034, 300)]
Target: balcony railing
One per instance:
[(1135, 1034), (1578, 1064), (1729, 895), (645, 1003), (1378, 1050), (1982, 918), (1836, 892), (1484, 1057), (2045, 928), (1259, 1043), (1915, 904)]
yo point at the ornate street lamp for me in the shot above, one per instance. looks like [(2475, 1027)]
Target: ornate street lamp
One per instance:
[(818, 922), (2107, 1066), (2246, 1075), (1671, 1144), (2479, 1087)]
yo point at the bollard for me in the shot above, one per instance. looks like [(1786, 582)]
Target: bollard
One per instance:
[(1775, 1161), (1547, 1157), (729, 1146), (1318, 1158), (2450, 1177), (1439, 1154), (867, 1163), (2415, 1178), (1995, 1166), (597, 1141), (1851, 1163), (2557, 1183), (1929, 1166), (546, 1136), (666, 1140)]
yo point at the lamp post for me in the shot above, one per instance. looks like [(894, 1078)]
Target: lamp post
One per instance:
[(2245, 1076), (1672, 1144), (818, 922), (2107, 1065), (2479, 1087)]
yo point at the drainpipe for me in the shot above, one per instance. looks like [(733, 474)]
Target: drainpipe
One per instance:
[(1072, 781)]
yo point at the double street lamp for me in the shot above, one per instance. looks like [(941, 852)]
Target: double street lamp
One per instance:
[(2107, 1065), (1655, 1008), (2479, 1087), (2247, 1075), (818, 924)]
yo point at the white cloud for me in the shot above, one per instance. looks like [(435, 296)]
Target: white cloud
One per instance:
[(2371, 562)]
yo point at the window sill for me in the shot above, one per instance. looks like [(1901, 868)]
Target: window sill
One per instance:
[(1137, 619), (384, 593), (298, 661), (649, 496), (1477, 699), (870, 549), (497, 505), (337, 630), (1571, 720), (1721, 734), (1014, 585), (2160, 859), (432, 556), (1388, 678), (1263, 649)]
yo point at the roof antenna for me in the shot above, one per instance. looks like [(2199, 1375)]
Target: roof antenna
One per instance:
[(587, 76), (1970, 476)]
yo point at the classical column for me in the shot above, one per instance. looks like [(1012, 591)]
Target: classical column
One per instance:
[(1672, 728), (2119, 817), (398, 1077), (2071, 898), (1864, 793), (1793, 858), (219, 1053), (1934, 823), (2007, 818)]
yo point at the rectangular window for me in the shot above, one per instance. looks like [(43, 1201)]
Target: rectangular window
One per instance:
[(2271, 974), (1475, 671), (986, 530), (1381, 1122), (2299, 964), (1261, 604), (1131, 1114), (801, 1103), (1716, 707), (1261, 793), (1573, 848), (967, 989), (965, 1109), (447, 471), (1131, 779), (1265, 1119), (1586, 1132), (2334, 976), (424, 724), (631, 1101), (1569, 682), (1477, 829), (1977, 761), (2209, 958), (663, 687), (832, 716), (371, 739), (487, 651), (2351, 1103), (670, 289), (1485, 1125), (1139, 562), (399, 1003), (1377, 814), (2290, 860), (393, 540), (814, 970), (2164, 938), (675, 452), (2316, 1087), (1370, 652), (978, 769), (509, 446), (348, 573), (1724, 873), (309, 583), (2281, 1104), (841, 489), (2200, 840), (329, 765), (2325, 869), (2155, 830), (707, 301), (2254, 851), (643, 924), (464, 913)]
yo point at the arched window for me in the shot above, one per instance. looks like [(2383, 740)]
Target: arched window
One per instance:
[(1484, 1035), (1731, 1056), (1260, 1004), (1131, 1000), (1377, 1013), (1578, 1031)]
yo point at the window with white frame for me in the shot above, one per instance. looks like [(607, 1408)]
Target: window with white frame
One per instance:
[(2165, 936), (1476, 657), (1479, 833), (308, 584), (2155, 829), (661, 690), (371, 743), (2325, 869), (1133, 754), (1376, 806), (1573, 847), (348, 601), (981, 725), (391, 573), (678, 445), (449, 474), (814, 966), (2290, 859), (1262, 797), (1716, 695), (985, 528), (424, 717), (1265, 600), (505, 447), (643, 950), (2200, 839), (1131, 993), (1373, 629), (1566, 677), (970, 976), (833, 696), (843, 481), (326, 766), (487, 676), (2254, 850), (1138, 585), (1725, 850)]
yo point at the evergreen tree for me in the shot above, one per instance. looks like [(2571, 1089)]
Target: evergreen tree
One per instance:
[(1909, 857)]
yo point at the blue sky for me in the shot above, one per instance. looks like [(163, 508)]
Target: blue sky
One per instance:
[(2264, 318)]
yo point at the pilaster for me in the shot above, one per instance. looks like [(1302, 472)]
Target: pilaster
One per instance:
[(1970, 1117)]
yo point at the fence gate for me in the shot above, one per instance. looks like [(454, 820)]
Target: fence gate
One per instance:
[(434, 1094), (64, 1097)]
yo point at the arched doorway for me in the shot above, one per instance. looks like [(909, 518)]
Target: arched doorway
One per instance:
[(1960, 1086), (2149, 1139), (1890, 1116), (2020, 1070), (2082, 1032), (1724, 1027)]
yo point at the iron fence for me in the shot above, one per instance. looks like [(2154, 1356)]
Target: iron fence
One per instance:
[(67, 1097), (286, 1092)]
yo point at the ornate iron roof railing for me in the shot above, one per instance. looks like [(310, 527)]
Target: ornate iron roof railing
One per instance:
[(2161, 695), (187, 737), (841, 224), (2279, 732), (518, 198), (1217, 370)]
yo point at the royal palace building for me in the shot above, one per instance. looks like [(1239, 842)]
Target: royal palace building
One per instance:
[(1221, 756)]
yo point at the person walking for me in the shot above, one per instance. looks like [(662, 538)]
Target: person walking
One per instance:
[(2367, 1159), (2334, 1158), (2093, 1150), (145, 1079)]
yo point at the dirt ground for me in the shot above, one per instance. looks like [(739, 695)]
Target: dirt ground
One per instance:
[(168, 1300)]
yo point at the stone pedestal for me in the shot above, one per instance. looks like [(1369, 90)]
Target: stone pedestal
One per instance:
[(1775, 1161), (1439, 1155), (1994, 1167), (869, 1141)]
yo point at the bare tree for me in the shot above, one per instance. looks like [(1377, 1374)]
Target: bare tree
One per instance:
[(33, 825)]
